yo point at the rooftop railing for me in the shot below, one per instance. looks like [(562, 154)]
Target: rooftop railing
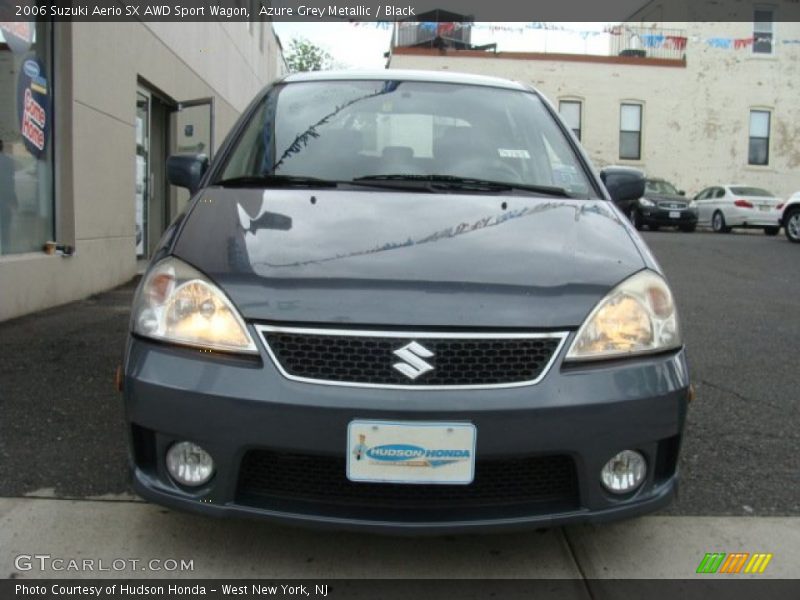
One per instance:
[(625, 40)]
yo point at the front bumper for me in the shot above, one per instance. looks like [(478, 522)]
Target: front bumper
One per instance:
[(662, 217), (231, 406)]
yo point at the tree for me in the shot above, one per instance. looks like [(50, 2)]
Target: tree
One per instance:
[(306, 56)]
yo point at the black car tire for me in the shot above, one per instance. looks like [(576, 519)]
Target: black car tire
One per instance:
[(771, 230), (636, 219), (791, 225), (718, 223), (688, 228)]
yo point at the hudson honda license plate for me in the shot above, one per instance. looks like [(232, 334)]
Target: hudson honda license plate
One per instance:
[(411, 452), (674, 214)]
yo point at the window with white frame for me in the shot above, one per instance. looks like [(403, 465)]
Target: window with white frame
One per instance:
[(758, 150), (630, 131), (763, 25), (570, 111)]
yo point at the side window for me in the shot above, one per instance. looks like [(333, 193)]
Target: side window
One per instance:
[(719, 193), (702, 195), (571, 113), (758, 146), (763, 23), (630, 131)]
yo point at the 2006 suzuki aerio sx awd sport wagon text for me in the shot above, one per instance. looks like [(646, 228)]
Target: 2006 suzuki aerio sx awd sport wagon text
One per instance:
[(404, 302)]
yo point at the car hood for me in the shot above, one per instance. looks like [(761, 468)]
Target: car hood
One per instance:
[(408, 259), (667, 198)]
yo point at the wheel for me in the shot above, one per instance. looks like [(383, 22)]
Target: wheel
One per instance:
[(636, 218), (791, 225), (688, 228), (771, 230), (718, 223)]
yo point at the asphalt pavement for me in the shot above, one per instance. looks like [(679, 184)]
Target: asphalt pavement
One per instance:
[(738, 296), (61, 431), (63, 473)]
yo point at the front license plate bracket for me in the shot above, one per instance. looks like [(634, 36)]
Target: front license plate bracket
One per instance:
[(411, 452)]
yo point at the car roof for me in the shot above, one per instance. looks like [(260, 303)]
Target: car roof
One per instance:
[(408, 75)]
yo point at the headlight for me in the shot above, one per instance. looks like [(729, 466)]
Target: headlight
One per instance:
[(636, 317), (178, 304), (646, 202)]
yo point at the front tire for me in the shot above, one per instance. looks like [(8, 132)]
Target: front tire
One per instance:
[(718, 223), (636, 219), (791, 225), (770, 231)]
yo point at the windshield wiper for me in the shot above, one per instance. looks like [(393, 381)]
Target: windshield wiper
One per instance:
[(455, 182), (275, 181)]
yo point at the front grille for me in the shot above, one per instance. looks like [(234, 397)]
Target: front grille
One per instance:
[(267, 477), (672, 205), (369, 358)]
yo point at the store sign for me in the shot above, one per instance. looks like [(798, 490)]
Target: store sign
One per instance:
[(18, 35), (33, 106)]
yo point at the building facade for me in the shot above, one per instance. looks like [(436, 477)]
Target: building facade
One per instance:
[(697, 103), (88, 114)]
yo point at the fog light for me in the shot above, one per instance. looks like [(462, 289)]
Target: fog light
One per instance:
[(189, 464), (624, 473)]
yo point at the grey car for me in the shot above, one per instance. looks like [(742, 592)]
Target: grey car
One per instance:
[(387, 308)]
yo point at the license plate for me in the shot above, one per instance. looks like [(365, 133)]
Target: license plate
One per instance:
[(411, 452), (765, 207), (674, 214)]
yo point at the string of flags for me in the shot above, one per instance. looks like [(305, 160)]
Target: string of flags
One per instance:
[(648, 40)]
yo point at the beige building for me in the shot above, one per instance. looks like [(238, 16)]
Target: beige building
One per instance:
[(88, 114), (697, 103)]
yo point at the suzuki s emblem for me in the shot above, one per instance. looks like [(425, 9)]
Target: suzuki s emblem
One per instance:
[(413, 354)]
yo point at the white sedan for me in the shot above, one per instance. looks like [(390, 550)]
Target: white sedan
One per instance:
[(727, 206)]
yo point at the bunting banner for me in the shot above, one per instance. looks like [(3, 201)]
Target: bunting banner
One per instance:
[(648, 40)]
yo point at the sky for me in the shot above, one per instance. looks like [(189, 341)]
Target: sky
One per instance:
[(361, 46)]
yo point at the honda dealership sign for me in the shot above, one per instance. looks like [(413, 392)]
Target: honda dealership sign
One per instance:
[(33, 106)]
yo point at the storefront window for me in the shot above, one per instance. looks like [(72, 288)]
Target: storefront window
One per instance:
[(26, 137)]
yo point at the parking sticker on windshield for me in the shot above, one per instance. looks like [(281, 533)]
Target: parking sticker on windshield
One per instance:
[(510, 153)]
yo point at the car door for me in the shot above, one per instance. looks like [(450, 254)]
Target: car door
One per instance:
[(715, 195), (722, 202), (701, 201)]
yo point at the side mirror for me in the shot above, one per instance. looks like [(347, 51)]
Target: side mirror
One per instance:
[(623, 184), (682, 192), (186, 170)]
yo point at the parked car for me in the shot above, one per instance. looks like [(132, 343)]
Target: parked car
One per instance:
[(623, 176), (790, 218), (381, 311), (727, 206), (662, 205)]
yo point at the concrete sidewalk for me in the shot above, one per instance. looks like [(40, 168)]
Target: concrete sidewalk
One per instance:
[(649, 547)]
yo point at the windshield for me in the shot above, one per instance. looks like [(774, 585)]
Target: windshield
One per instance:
[(655, 186), (751, 191), (345, 130)]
